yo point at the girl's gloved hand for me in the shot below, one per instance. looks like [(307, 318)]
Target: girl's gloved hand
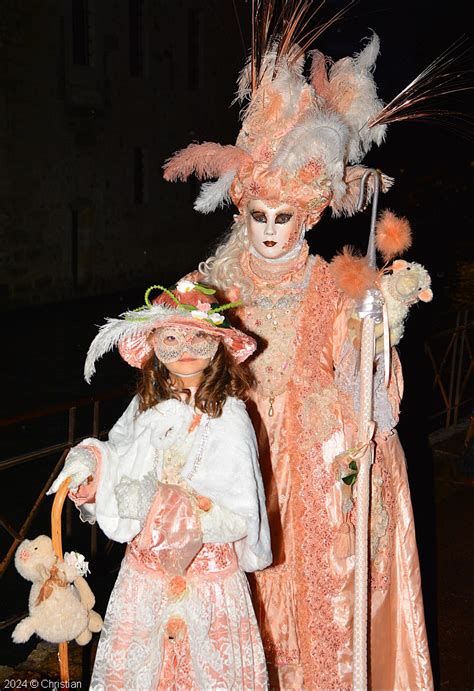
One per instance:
[(134, 497), (79, 465)]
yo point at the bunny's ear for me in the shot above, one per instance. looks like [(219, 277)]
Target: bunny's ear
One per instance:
[(426, 295)]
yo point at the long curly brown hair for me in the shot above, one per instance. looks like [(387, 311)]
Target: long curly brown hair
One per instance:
[(223, 377)]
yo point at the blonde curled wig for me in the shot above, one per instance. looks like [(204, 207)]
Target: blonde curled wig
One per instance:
[(223, 377), (223, 269)]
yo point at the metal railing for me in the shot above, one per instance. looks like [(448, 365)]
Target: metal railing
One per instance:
[(450, 351), (18, 534)]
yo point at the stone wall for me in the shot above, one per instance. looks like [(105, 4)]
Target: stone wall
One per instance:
[(88, 114)]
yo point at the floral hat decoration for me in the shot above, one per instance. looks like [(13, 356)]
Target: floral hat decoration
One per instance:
[(188, 305)]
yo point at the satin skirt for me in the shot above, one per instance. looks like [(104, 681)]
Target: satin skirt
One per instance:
[(304, 602)]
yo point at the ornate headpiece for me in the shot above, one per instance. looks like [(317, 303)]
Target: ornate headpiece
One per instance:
[(186, 304), (302, 141)]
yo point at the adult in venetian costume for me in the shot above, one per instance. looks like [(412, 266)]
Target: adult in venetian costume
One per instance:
[(299, 151)]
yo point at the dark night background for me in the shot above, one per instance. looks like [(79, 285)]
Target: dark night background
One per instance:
[(84, 212), (94, 96)]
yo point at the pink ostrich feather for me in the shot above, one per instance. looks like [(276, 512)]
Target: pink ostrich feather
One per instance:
[(352, 273), (206, 160), (392, 235), (319, 74)]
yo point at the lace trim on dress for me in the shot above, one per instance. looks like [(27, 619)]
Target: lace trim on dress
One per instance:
[(273, 318), (262, 270), (382, 523), (224, 648), (320, 637)]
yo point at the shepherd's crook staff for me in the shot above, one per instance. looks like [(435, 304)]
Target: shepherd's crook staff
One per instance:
[(56, 537), (370, 311)]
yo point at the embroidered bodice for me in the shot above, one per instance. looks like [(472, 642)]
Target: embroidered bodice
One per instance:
[(273, 316)]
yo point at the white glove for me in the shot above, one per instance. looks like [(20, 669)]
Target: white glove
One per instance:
[(221, 525), (80, 463), (134, 497)]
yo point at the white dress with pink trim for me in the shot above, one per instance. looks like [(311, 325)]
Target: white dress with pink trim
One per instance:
[(180, 614)]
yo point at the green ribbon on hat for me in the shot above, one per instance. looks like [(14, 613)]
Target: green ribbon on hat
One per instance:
[(205, 290)]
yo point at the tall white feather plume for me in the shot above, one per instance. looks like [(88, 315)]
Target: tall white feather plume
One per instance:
[(216, 194), (320, 136), (244, 83), (268, 75), (290, 83), (353, 93), (114, 330)]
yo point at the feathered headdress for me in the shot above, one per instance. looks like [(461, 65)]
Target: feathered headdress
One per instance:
[(302, 141)]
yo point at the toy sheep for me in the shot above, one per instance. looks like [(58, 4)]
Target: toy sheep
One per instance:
[(403, 284), (60, 602)]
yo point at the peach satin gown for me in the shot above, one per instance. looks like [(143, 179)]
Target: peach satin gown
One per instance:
[(303, 413)]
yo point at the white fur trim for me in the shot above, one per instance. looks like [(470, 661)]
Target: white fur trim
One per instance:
[(79, 464), (221, 464)]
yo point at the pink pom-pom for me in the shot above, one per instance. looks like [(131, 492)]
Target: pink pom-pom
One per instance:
[(352, 273), (392, 235)]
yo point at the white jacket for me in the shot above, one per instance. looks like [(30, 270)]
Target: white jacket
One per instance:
[(221, 464)]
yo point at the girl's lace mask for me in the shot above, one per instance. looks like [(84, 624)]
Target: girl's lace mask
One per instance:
[(170, 343)]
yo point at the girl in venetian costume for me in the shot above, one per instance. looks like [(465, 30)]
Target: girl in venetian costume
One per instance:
[(179, 481), (300, 151)]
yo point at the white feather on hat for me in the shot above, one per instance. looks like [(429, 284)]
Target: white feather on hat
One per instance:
[(133, 323)]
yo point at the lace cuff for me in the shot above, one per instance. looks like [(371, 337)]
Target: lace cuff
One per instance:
[(87, 513), (80, 463), (134, 497), (348, 380)]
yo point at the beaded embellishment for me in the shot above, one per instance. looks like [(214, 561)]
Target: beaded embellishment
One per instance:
[(274, 320)]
